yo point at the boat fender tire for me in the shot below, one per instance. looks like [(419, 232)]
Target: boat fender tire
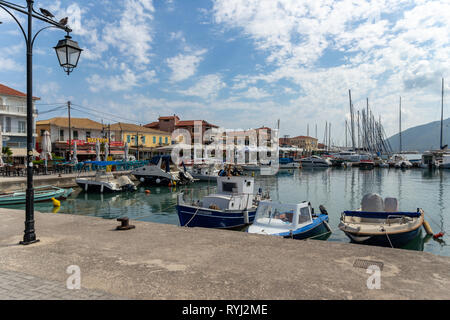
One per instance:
[(323, 210), (246, 218)]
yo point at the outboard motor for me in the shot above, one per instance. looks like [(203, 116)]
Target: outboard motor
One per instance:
[(323, 210)]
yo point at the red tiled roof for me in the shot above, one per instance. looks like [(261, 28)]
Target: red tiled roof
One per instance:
[(168, 117), (185, 123), (152, 124), (12, 92), (302, 137)]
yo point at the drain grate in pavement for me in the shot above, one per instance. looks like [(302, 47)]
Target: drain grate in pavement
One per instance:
[(364, 264)]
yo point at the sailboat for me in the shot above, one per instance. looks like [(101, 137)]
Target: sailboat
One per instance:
[(438, 158)]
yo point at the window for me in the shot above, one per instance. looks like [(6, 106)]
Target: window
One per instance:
[(75, 135), (143, 139), (167, 140), (88, 134), (42, 132), (160, 140), (128, 139), (22, 127), (61, 135), (229, 186), (154, 139), (8, 124)]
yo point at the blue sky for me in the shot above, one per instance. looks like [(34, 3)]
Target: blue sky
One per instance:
[(242, 64)]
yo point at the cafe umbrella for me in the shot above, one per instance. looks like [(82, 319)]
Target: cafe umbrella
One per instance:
[(46, 149)]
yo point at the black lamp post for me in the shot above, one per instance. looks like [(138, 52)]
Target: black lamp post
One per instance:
[(68, 54)]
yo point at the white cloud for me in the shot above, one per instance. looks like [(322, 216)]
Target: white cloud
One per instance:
[(255, 93), (388, 49), (127, 80), (208, 87), (184, 65), (132, 35)]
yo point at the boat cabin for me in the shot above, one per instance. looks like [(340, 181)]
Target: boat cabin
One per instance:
[(233, 193), (272, 217)]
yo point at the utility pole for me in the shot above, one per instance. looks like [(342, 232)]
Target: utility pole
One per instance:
[(70, 132)]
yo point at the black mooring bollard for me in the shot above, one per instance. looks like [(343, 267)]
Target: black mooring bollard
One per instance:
[(125, 224)]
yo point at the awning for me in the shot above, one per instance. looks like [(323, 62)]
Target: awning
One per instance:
[(22, 152)]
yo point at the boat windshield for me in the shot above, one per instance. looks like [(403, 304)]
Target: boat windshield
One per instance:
[(277, 215)]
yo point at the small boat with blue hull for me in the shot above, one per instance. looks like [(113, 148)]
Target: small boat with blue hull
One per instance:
[(380, 222), (43, 193), (296, 221), (232, 206)]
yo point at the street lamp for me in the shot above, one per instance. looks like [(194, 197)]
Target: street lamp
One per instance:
[(68, 53), (68, 61)]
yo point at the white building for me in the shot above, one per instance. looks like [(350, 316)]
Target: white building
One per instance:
[(13, 121)]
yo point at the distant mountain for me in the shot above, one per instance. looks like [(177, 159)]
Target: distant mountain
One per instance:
[(422, 138)]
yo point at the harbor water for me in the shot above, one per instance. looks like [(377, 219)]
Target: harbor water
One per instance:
[(338, 189)]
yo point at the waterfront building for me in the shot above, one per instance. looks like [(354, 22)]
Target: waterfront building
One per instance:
[(142, 141), (171, 123), (13, 121), (85, 133), (308, 144)]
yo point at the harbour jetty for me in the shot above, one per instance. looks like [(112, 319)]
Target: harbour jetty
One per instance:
[(158, 261)]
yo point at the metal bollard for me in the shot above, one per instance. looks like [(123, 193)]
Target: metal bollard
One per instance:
[(125, 224)]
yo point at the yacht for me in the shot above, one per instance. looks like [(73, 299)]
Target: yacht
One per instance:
[(162, 172), (289, 163), (205, 172), (104, 182), (315, 162)]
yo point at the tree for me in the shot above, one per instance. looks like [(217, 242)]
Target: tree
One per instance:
[(7, 152)]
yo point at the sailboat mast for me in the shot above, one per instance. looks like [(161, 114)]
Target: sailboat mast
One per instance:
[(442, 113), (400, 124)]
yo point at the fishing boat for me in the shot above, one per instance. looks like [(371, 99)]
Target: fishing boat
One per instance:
[(43, 193), (104, 182), (232, 206), (162, 172), (315, 162), (297, 221), (380, 222)]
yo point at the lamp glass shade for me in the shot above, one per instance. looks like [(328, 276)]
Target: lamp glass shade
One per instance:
[(68, 53)]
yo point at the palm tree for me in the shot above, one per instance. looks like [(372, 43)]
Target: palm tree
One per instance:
[(7, 152)]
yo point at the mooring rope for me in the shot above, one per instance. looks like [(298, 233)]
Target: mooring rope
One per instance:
[(192, 217)]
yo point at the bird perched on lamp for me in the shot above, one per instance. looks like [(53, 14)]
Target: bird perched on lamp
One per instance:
[(46, 13), (64, 21)]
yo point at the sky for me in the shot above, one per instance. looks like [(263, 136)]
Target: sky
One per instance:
[(241, 64)]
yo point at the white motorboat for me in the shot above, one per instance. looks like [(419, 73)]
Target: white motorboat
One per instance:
[(445, 163), (297, 221), (205, 172), (289, 163), (162, 171), (104, 182), (315, 162), (403, 164)]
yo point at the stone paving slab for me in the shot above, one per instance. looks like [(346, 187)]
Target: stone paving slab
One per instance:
[(20, 286)]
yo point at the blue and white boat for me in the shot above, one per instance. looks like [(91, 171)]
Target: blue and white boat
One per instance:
[(296, 221), (232, 206), (380, 222)]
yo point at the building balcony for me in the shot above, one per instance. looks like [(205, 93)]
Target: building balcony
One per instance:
[(15, 110)]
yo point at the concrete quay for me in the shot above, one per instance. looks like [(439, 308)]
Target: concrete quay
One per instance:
[(65, 180), (157, 261)]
